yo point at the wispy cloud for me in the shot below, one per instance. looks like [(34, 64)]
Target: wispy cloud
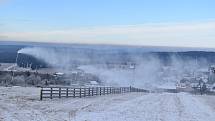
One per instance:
[(192, 34)]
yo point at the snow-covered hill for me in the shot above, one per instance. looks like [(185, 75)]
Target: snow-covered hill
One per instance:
[(22, 104)]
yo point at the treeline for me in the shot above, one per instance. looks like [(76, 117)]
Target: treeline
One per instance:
[(27, 78), (8, 53), (201, 57), (28, 61), (90, 55)]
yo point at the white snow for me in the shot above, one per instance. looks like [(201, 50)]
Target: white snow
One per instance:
[(94, 82), (22, 104)]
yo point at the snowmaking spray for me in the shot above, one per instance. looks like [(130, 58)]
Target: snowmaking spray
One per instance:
[(147, 73)]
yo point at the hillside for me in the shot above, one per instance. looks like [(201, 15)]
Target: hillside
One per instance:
[(94, 54)]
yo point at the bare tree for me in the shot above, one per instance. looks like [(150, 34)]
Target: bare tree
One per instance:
[(6, 79), (18, 80), (33, 79)]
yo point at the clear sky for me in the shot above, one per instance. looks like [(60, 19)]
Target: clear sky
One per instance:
[(129, 22)]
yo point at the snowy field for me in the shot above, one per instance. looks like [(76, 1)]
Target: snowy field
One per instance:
[(22, 104)]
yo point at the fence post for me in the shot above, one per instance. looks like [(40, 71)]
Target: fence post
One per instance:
[(41, 94), (100, 91), (89, 92), (80, 93), (59, 92), (51, 93), (74, 93), (92, 91), (84, 92), (67, 92)]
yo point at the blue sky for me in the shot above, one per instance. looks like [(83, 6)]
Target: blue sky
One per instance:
[(106, 21)]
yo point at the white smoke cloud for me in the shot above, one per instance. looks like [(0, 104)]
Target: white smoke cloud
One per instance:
[(51, 56), (149, 72)]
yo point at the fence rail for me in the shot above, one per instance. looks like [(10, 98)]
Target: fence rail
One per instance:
[(66, 92)]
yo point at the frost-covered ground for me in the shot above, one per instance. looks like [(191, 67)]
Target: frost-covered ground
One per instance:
[(22, 104)]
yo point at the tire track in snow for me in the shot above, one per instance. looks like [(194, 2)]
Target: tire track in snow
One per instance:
[(145, 107), (170, 108), (194, 109), (150, 107)]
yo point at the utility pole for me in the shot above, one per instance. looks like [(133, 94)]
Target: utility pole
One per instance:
[(133, 66)]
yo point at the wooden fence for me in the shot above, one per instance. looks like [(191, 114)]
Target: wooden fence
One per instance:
[(61, 92)]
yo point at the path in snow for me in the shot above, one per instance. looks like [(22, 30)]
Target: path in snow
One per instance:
[(22, 104), (151, 107)]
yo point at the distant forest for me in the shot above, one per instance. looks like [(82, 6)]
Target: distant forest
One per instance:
[(8, 54)]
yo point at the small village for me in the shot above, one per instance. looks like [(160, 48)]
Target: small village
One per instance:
[(202, 80)]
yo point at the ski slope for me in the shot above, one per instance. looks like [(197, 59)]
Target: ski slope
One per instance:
[(22, 104)]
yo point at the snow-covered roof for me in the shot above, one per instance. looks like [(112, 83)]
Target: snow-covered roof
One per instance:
[(59, 73), (93, 82)]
